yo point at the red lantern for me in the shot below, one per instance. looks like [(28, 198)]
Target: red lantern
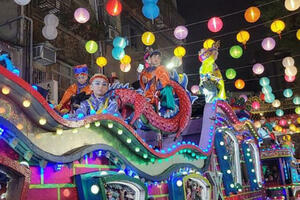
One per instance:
[(289, 78), (282, 122), (262, 96), (215, 24), (114, 7)]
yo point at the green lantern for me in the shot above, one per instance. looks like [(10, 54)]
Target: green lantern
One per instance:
[(230, 73), (91, 46), (297, 110), (236, 51)]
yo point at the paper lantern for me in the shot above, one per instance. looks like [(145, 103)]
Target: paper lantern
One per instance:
[(243, 37), (230, 73), (266, 89), (179, 51), (125, 67), (288, 93), (113, 7), (215, 24), (289, 78), (292, 5), (91, 46), (101, 61), (118, 53), (296, 100), (81, 15), (181, 32), (298, 34), (119, 42), (277, 26), (22, 2), (174, 62), (126, 60), (208, 43), (255, 105), (292, 127), (252, 14), (282, 122), (268, 44), (264, 81), (148, 38), (150, 10), (297, 111), (236, 51), (279, 112), (258, 69), (288, 62), (239, 84), (291, 71), (51, 20), (49, 32), (276, 103), (195, 89), (298, 119), (269, 97)]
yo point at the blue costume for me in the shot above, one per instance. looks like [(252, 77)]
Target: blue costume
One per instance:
[(103, 105)]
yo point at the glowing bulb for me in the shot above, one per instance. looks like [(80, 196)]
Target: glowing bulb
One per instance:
[(232, 185), (95, 189), (74, 130), (225, 157), (128, 140), (42, 121), (110, 125), (87, 126), (228, 171), (179, 183), (137, 149), (120, 132), (59, 131), (222, 143), (26, 103), (20, 126), (97, 124), (5, 90)]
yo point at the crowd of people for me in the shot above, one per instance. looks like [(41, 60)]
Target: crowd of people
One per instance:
[(119, 192), (193, 190)]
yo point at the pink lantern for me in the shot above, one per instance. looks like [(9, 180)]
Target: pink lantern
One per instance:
[(181, 32), (282, 122), (195, 89), (289, 78), (255, 105), (215, 24), (268, 44), (81, 15), (258, 68)]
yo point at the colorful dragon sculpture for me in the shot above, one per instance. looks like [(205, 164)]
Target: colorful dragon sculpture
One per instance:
[(210, 75), (142, 107)]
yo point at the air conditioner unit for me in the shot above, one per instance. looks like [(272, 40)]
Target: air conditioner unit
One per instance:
[(44, 54), (52, 87)]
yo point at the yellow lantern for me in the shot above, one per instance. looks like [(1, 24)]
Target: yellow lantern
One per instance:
[(298, 34), (298, 120), (148, 38), (208, 43), (179, 51), (292, 127), (243, 37), (126, 60), (277, 26), (101, 61)]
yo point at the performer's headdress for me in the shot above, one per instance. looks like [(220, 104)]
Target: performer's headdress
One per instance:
[(80, 69), (99, 76)]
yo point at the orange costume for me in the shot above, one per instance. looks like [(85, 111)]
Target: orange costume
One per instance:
[(64, 105)]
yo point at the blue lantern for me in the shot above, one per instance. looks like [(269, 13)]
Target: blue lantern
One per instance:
[(279, 112), (296, 100), (269, 98), (150, 10), (288, 93), (264, 81), (118, 53), (150, 1), (120, 42), (267, 89)]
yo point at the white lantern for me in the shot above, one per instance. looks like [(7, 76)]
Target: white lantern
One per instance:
[(49, 32), (125, 68), (81, 15), (51, 20), (290, 71), (292, 5), (276, 103), (288, 62), (22, 2)]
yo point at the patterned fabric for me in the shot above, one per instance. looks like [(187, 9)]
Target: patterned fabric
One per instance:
[(93, 105)]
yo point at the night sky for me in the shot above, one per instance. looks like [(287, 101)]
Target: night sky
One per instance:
[(196, 10)]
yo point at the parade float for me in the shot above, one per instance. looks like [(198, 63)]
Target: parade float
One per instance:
[(105, 156)]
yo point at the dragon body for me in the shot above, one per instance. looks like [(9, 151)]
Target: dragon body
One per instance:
[(141, 106)]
